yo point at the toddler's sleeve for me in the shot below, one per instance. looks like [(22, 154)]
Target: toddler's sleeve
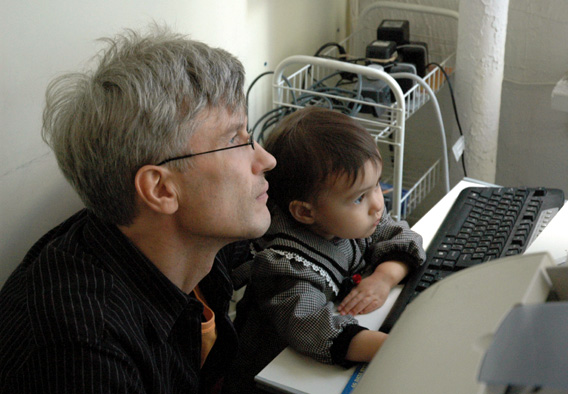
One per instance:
[(297, 299)]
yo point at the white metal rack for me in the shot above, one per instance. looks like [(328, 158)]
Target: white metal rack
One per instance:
[(307, 80)]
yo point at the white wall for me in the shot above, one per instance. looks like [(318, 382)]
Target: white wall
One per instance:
[(533, 137), (39, 40)]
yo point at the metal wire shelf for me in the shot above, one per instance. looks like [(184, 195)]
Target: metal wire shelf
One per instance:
[(333, 81)]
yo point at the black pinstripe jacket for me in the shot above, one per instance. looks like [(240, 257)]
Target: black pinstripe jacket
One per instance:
[(86, 312)]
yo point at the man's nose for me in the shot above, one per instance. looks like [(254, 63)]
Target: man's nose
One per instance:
[(264, 161)]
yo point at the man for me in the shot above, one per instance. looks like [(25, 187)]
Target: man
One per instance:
[(131, 294)]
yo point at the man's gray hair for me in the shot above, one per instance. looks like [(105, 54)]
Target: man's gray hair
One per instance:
[(138, 107)]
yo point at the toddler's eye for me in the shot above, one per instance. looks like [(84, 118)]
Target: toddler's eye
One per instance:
[(359, 199)]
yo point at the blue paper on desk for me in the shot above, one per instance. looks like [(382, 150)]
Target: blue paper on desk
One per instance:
[(530, 348)]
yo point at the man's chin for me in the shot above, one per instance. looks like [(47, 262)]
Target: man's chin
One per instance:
[(264, 228), (262, 225)]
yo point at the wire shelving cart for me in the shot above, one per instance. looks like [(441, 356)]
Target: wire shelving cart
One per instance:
[(332, 80)]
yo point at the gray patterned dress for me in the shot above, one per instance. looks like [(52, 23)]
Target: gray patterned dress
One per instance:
[(296, 277)]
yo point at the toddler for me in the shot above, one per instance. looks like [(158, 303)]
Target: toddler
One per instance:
[(329, 229)]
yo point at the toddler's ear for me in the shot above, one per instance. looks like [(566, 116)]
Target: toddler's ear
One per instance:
[(302, 211)]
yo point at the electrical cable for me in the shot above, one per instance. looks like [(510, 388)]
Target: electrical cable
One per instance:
[(318, 97), (340, 49), (455, 108), (276, 114), (321, 81), (260, 137), (250, 88), (254, 81)]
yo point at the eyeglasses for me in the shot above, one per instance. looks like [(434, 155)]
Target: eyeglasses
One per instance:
[(250, 142)]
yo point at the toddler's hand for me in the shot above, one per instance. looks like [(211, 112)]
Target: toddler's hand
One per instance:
[(367, 296)]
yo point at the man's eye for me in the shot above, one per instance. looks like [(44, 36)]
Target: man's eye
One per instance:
[(239, 138)]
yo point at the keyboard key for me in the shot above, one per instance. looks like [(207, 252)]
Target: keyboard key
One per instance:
[(466, 263), (519, 240), (452, 255), (428, 278), (448, 264), (440, 254), (436, 262)]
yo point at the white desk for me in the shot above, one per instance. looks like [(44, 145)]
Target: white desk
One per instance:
[(291, 372)]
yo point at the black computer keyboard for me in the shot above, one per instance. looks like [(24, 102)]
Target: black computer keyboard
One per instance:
[(484, 223)]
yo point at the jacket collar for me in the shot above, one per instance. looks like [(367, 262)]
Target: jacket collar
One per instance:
[(129, 265)]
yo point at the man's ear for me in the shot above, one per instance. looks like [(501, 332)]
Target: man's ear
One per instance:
[(302, 211), (155, 186)]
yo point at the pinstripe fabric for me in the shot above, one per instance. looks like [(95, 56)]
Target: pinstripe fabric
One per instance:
[(86, 312), (294, 283)]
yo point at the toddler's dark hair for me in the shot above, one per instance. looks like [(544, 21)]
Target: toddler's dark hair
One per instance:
[(311, 145)]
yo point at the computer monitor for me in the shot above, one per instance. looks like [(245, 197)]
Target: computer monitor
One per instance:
[(439, 342)]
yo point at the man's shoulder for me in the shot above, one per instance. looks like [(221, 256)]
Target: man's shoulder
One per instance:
[(84, 281), (59, 292), (60, 295), (56, 299)]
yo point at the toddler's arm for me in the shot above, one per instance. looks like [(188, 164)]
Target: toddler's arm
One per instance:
[(373, 290), (365, 345)]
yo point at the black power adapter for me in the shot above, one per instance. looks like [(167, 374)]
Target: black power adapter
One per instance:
[(375, 91), (404, 83), (398, 31), (394, 30), (416, 53), (381, 51)]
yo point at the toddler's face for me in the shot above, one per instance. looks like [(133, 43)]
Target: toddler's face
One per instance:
[(350, 211)]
